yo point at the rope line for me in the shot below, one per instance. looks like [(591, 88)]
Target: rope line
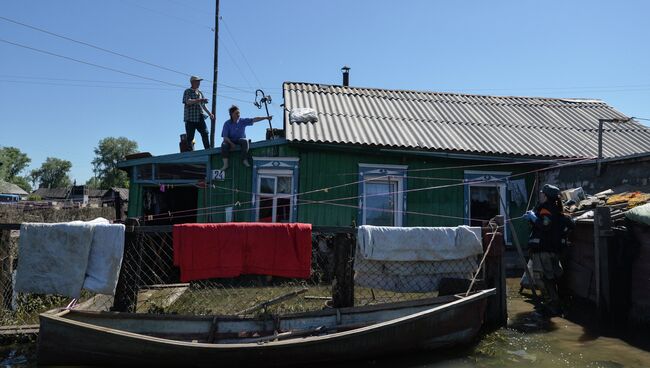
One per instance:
[(329, 201)]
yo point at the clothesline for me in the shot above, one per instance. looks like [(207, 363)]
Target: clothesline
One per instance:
[(308, 202), (326, 189)]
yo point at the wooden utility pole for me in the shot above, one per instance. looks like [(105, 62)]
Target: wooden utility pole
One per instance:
[(214, 76)]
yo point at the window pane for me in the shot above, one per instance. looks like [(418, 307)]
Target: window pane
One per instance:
[(484, 204), (266, 209), (144, 172), (267, 185), (181, 171), (284, 185), (381, 203), (284, 210)]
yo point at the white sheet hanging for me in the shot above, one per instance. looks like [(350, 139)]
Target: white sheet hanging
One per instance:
[(63, 258), (53, 258), (385, 243)]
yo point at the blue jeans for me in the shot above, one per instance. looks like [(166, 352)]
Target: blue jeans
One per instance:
[(191, 126)]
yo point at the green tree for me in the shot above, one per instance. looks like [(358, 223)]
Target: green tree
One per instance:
[(53, 173), (93, 183), (12, 161), (108, 153), (22, 182)]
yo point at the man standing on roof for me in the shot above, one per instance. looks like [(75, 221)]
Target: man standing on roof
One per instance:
[(234, 134), (193, 112)]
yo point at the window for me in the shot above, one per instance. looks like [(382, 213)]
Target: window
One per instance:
[(181, 171), (274, 198), (382, 194), (144, 172), (484, 203), (485, 197), (274, 189)]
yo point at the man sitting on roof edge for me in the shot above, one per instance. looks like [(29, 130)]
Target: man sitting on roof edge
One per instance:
[(234, 134)]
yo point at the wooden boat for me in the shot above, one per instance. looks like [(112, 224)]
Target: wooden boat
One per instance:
[(71, 337)]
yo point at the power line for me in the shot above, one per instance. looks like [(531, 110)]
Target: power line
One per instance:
[(240, 51), (113, 52), (184, 6), (74, 80), (33, 78), (89, 63), (86, 85), (185, 20), (236, 65), (105, 67)]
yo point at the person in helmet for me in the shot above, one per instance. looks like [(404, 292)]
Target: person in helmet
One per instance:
[(548, 239)]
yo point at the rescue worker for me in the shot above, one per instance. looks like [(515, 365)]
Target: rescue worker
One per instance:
[(548, 239)]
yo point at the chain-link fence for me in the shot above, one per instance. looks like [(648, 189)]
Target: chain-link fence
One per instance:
[(150, 283)]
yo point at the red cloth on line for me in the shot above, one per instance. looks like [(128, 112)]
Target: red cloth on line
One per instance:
[(204, 251)]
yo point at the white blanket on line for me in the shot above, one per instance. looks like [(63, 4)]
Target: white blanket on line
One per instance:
[(52, 258), (64, 257), (384, 243), (105, 259)]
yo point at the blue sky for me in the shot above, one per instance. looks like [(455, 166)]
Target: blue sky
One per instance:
[(50, 106)]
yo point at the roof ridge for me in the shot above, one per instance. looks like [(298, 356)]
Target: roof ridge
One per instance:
[(559, 99), (482, 124)]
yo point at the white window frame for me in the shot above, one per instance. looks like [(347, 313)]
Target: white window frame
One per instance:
[(275, 174), (502, 187), (384, 173)]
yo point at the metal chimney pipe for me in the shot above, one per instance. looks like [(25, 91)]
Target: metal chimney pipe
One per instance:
[(346, 75)]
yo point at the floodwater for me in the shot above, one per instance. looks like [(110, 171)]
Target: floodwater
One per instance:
[(530, 340)]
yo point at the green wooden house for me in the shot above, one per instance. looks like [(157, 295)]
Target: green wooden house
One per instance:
[(384, 157)]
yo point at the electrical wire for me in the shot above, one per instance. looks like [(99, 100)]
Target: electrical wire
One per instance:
[(87, 85), (74, 80), (107, 68), (232, 59), (251, 90), (240, 51), (89, 63), (184, 20)]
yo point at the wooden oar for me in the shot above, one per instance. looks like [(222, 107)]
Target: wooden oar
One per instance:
[(273, 301)]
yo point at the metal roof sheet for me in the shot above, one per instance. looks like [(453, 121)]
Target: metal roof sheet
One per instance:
[(503, 125)]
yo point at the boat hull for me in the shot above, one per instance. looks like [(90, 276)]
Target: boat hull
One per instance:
[(66, 342)]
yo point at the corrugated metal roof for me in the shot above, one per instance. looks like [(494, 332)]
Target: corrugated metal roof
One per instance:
[(503, 125)]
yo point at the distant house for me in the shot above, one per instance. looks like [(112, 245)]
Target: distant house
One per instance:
[(10, 192), (109, 195), (384, 157), (82, 194), (52, 194)]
